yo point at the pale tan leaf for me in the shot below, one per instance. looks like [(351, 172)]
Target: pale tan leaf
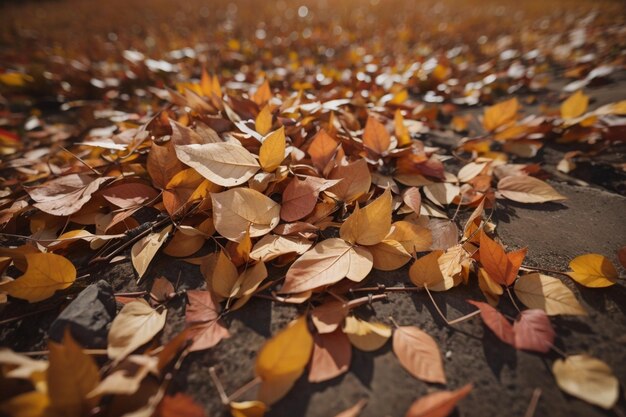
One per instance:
[(135, 325), (412, 198), (144, 250), (272, 246), (587, 378), (441, 193), (239, 210), (419, 354), (548, 294), (225, 164), (389, 255), (65, 195), (527, 189)]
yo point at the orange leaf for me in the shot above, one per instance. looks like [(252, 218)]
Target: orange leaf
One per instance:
[(500, 266), (375, 136), (438, 404), (419, 354), (322, 149)]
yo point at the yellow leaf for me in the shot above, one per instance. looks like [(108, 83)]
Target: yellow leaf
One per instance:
[(575, 105), (500, 114), (400, 97), (425, 271), (263, 121), (135, 325), (592, 270), (239, 210), (263, 94), (282, 359), (548, 294), (364, 335), (413, 237), (146, 248), (15, 79), (30, 404), (587, 378), (72, 375), (247, 409), (220, 273), (272, 150), (45, 274), (369, 225), (402, 133), (389, 255)]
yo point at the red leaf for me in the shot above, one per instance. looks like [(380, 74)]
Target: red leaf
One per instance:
[(496, 322), (533, 331)]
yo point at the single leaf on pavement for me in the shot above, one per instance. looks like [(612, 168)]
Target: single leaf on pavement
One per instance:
[(45, 274), (587, 378), (238, 210), (272, 150), (332, 353), (135, 325), (593, 270), (369, 225), (366, 336), (71, 375), (527, 189), (548, 294), (533, 331), (419, 354), (438, 404), (223, 163), (144, 250)]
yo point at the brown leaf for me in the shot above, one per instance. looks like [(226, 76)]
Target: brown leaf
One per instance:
[(332, 353), (419, 354), (163, 164), (355, 180), (413, 199), (179, 405), (369, 225), (533, 331), (65, 195), (202, 317), (129, 194), (375, 136), (329, 316), (300, 197), (438, 404), (496, 322), (322, 149)]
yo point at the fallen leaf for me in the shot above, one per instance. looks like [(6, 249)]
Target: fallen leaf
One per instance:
[(135, 325), (425, 272), (498, 324), (412, 198), (322, 149), (366, 336), (353, 411), (587, 378), (239, 210), (71, 375), (179, 405), (129, 194), (65, 195), (369, 225), (247, 409), (533, 331), (419, 354), (29, 404), (575, 105), (272, 150), (144, 250), (263, 121), (329, 316), (549, 294), (45, 274), (272, 246), (401, 131), (502, 267), (375, 136), (327, 263), (593, 270), (527, 189), (500, 114), (331, 356), (282, 359), (438, 404), (300, 197), (389, 255), (220, 273), (412, 237), (441, 193), (356, 180), (225, 164)]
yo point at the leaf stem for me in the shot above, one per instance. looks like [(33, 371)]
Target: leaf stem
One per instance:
[(534, 400)]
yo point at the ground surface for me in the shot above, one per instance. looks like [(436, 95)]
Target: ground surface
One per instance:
[(591, 220)]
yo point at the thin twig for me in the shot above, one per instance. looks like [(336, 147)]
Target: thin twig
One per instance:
[(508, 290), (536, 268), (534, 400), (247, 387), (383, 288), (95, 171), (218, 385), (455, 321)]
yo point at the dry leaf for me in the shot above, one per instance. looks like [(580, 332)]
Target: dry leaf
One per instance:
[(322, 149), (300, 197), (441, 193), (412, 198), (575, 105), (179, 405), (369, 225), (375, 136), (355, 180), (412, 237), (533, 331), (425, 272), (327, 263), (593, 271), (548, 294), (389, 255), (225, 164), (46, 273), (587, 378), (202, 315), (419, 354), (65, 195), (220, 273), (498, 324), (247, 409), (353, 411), (366, 336), (332, 353), (438, 404), (144, 250), (135, 325), (401, 131), (282, 360), (502, 267), (272, 150), (263, 121), (71, 375), (500, 114), (527, 189), (29, 404), (272, 246), (329, 316), (239, 210)]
